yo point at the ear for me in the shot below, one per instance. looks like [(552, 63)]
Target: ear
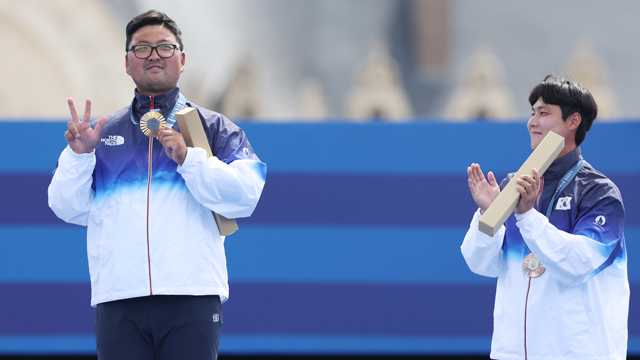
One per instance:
[(182, 61), (126, 63), (574, 121)]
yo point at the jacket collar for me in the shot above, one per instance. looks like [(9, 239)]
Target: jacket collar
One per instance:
[(560, 166), (163, 102)]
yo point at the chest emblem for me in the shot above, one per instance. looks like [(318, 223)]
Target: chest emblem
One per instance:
[(564, 203), (113, 140)]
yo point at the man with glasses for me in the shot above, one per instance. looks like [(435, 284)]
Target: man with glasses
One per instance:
[(156, 259)]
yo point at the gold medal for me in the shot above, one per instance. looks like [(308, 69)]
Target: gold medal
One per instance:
[(151, 122), (532, 267)]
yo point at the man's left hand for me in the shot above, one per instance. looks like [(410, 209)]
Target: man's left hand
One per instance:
[(528, 186), (173, 144)]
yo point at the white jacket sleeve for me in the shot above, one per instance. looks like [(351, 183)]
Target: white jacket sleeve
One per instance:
[(231, 190), (70, 191), (482, 252), (570, 258)]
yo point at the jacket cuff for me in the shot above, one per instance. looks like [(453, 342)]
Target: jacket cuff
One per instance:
[(194, 155), (523, 216), (72, 154)]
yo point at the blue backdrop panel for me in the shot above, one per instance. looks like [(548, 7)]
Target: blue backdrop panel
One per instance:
[(43, 253), (354, 248), (382, 200), (349, 255)]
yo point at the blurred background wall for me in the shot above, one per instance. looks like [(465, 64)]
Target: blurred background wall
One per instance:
[(367, 113), (287, 60)]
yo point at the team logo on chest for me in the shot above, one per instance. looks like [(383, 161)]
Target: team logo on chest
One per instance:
[(113, 140), (564, 203)]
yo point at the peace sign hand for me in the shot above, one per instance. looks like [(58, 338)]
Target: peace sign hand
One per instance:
[(82, 139)]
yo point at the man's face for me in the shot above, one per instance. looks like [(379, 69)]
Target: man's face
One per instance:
[(545, 118), (154, 75)]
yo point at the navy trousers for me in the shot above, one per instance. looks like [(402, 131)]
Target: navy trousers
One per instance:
[(159, 327)]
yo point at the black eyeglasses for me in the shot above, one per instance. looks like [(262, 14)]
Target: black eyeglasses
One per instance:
[(144, 51)]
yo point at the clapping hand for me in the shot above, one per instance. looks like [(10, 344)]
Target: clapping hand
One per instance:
[(483, 191)]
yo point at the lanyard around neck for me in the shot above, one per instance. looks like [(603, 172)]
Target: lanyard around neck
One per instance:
[(180, 104), (566, 179)]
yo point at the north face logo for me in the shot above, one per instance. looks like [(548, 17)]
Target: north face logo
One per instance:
[(113, 140)]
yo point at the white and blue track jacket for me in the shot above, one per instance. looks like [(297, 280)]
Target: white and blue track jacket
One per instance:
[(578, 308), (150, 230)]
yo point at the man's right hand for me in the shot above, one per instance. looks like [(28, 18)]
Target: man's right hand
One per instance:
[(81, 137), (483, 191)]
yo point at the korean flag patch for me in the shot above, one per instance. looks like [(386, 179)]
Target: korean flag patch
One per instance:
[(564, 203)]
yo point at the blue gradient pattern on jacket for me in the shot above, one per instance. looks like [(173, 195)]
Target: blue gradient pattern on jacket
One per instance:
[(124, 141), (598, 200)]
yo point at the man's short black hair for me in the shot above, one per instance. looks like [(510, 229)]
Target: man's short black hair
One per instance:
[(571, 97), (153, 17)]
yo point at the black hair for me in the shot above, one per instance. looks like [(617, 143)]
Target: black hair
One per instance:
[(152, 17), (571, 97)]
